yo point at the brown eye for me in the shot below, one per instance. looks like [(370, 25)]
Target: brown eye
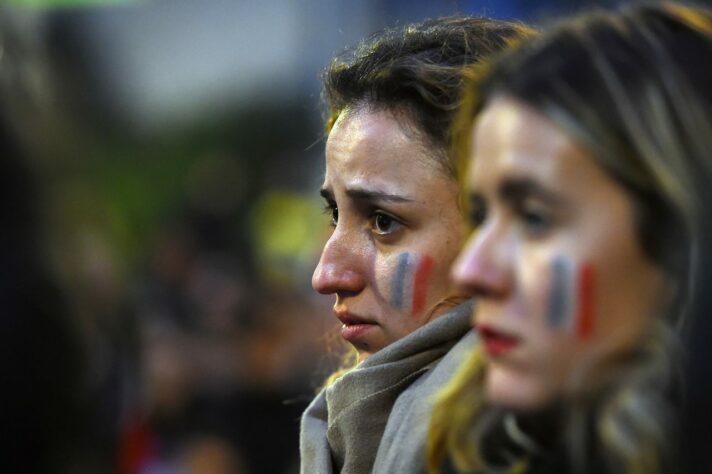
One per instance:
[(334, 215), (477, 212), (385, 224), (535, 219), (535, 223)]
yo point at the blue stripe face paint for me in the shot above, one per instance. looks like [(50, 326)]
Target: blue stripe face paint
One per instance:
[(399, 280), (560, 294)]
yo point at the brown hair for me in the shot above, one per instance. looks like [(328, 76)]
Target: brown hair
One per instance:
[(416, 71)]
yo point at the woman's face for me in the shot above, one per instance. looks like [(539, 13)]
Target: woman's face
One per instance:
[(562, 283), (397, 229)]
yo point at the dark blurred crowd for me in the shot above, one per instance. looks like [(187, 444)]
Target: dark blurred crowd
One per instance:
[(148, 327)]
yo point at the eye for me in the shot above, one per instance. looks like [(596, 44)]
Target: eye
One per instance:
[(536, 222), (385, 224), (332, 210), (478, 211)]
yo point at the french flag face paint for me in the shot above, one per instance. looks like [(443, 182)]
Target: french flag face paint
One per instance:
[(571, 302), (409, 285)]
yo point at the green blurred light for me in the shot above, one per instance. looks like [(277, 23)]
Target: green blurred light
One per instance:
[(286, 230)]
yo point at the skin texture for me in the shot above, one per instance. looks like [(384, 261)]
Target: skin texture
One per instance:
[(544, 208), (397, 229)]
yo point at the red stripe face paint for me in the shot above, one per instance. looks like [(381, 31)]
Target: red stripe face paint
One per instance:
[(586, 307), (420, 285)]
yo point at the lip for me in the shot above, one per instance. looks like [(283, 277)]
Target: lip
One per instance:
[(354, 327), (497, 343)]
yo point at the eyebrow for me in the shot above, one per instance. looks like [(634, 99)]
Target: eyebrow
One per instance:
[(518, 189), (366, 195)]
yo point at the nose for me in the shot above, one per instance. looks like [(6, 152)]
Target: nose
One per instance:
[(340, 268), (483, 267)]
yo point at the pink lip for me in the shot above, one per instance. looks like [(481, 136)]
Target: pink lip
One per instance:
[(354, 327), (497, 343), (356, 331)]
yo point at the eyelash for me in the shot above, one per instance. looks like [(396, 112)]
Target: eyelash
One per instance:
[(477, 212), (477, 216), (332, 211)]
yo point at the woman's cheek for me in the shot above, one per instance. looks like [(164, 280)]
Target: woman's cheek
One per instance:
[(404, 281)]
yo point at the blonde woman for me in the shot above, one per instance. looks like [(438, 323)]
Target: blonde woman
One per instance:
[(589, 163)]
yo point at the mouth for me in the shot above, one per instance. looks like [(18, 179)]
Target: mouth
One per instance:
[(497, 343), (354, 327)]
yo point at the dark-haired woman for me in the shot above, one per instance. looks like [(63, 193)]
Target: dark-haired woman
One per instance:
[(393, 195)]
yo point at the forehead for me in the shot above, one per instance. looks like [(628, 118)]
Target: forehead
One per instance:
[(510, 139), (378, 141)]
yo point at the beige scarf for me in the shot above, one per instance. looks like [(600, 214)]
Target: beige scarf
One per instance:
[(342, 428)]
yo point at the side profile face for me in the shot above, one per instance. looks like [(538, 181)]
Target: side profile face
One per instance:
[(397, 229), (562, 283)]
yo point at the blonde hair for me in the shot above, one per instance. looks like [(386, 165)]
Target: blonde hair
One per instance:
[(633, 87)]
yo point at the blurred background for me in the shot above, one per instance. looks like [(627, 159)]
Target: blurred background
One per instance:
[(160, 222)]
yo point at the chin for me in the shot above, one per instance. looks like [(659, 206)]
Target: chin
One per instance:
[(516, 391)]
